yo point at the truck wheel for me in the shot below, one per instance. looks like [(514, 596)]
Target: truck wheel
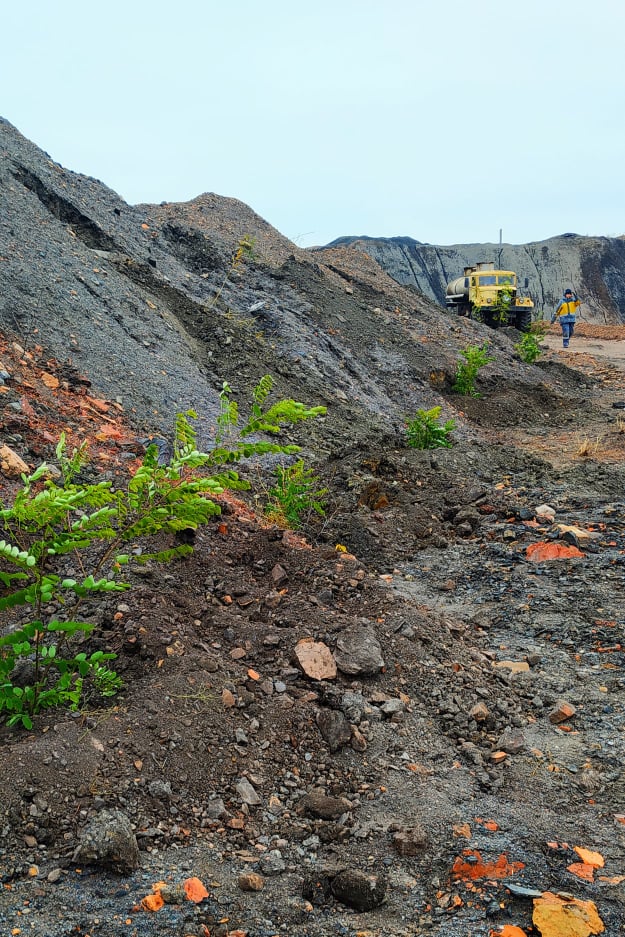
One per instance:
[(524, 320)]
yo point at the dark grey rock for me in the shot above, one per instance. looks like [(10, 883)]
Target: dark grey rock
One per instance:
[(247, 793), (160, 789), (334, 728), (272, 863), (393, 706), (512, 741), (320, 805), (109, 841), (353, 706), (359, 890), (358, 650), (216, 809)]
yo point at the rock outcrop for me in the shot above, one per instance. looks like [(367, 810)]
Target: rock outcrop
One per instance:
[(593, 266)]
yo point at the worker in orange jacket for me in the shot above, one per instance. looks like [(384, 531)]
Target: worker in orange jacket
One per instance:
[(565, 314)]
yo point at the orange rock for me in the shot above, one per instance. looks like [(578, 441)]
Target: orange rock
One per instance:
[(582, 870), (100, 405), (316, 660), (11, 464), (478, 868), (595, 859), (50, 380), (555, 916), (195, 890), (152, 902), (542, 552), (561, 712)]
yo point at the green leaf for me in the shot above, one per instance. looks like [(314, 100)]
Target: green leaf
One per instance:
[(7, 578)]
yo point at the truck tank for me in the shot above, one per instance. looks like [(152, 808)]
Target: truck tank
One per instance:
[(458, 289)]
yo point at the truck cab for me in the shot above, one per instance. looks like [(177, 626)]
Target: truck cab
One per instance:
[(490, 296)]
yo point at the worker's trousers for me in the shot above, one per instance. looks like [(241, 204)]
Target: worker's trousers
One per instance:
[(567, 324)]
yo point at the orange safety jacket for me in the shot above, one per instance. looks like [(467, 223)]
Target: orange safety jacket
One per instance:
[(567, 307)]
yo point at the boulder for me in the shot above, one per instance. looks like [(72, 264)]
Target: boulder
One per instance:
[(108, 841), (358, 651)]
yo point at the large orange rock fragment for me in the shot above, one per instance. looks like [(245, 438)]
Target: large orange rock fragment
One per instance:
[(316, 660), (555, 916), (561, 712), (542, 551), (595, 859), (50, 380), (11, 464), (474, 867), (195, 890), (152, 902), (582, 870)]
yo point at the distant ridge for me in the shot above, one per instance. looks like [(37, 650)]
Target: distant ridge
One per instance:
[(593, 266)]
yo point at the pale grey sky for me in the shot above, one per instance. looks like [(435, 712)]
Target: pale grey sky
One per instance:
[(441, 120)]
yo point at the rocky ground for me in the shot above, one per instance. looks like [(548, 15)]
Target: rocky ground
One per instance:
[(438, 783), (456, 765)]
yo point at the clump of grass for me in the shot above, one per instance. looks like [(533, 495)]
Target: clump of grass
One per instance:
[(296, 496), (589, 448), (244, 251)]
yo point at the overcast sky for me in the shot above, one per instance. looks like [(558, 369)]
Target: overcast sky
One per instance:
[(440, 120)]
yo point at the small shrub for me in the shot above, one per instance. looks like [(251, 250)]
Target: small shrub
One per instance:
[(425, 430), (296, 495), (528, 349), (500, 309), (475, 358), (43, 662)]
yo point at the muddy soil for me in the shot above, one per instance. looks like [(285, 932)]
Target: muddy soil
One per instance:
[(449, 781)]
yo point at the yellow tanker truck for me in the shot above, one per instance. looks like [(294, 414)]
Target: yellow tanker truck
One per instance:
[(490, 296)]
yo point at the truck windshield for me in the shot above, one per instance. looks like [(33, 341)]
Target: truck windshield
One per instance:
[(506, 279), (488, 280)]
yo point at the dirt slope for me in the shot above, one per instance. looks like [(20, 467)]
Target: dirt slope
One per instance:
[(122, 292), (435, 785)]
